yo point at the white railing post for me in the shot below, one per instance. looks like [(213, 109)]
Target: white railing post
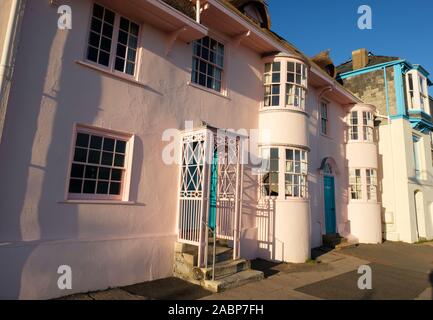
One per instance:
[(236, 227)]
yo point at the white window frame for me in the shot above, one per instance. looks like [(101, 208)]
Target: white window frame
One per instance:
[(269, 84), (361, 130), (195, 79), (296, 89), (324, 118), (114, 44), (126, 176), (296, 179), (371, 182), (355, 184), (266, 154), (417, 91)]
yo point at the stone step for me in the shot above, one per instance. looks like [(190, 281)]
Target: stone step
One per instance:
[(346, 244), (333, 240), (226, 268), (235, 280), (190, 256)]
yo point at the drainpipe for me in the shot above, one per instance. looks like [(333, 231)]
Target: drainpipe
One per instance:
[(388, 116), (7, 57)]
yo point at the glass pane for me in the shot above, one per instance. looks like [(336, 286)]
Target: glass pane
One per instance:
[(77, 170), (119, 65), (94, 156), (104, 173), (96, 25), (120, 146), (98, 11), (116, 175), (89, 186), (290, 66), (94, 39), (107, 158), (80, 155), (82, 140), (109, 144), (102, 187), (119, 160), (91, 172), (107, 30), (104, 58), (92, 54), (123, 37), (274, 153), (96, 142), (115, 188), (124, 24), (75, 185)]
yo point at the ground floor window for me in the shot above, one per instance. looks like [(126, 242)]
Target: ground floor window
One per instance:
[(296, 173), (292, 179), (270, 171), (99, 164), (360, 178)]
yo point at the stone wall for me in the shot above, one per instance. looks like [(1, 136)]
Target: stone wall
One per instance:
[(370, 88)]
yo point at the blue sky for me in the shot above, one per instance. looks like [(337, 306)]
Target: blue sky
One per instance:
[(400, 28)]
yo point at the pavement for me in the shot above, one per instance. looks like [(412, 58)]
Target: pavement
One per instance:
[(399, 272)]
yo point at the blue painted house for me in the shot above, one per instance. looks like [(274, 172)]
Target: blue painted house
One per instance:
[(399, 90)]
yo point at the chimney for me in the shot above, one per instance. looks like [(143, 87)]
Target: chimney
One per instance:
[(359, 59)]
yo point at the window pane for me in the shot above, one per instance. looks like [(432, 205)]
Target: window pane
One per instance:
[(77, 170), (94, 156), (96, 142), (102, 187), (75, 186), (107, 158), (104, 173), (91, 172), (82, 140), (89, 186), (80, 155), (114, 188)]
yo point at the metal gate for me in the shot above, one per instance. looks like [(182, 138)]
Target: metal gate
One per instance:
[(200, 148)]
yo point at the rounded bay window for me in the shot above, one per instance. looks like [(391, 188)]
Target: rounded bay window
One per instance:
[(285, 83)]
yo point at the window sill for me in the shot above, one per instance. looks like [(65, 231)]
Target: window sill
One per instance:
[(281, 109), (219, 94), (101, 202), (110, 73)]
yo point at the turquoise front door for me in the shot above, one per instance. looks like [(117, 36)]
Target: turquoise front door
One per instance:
[(213, 191), (330, 217)]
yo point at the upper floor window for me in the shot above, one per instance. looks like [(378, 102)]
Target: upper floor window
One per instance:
[(296, 84), (417, 91), (272, 79), (208, 63), (104, 26), (361, 126), (324, 117), (99, 165), (353, 126), (296, 173), (417, 155)]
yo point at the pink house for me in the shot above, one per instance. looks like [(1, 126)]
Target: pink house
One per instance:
[(130, 140)]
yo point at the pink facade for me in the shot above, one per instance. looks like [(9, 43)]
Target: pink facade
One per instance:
[(129, 236)]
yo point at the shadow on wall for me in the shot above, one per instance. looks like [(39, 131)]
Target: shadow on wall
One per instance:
[(36, 144), (431, 282)]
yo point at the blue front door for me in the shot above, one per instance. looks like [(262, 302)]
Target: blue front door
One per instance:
[(213, 191), (330, 217)]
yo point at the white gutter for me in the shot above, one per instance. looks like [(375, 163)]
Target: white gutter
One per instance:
[(7, 58)]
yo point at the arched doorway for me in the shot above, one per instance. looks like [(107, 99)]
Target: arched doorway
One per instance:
[(420, 215), (328, 171)]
